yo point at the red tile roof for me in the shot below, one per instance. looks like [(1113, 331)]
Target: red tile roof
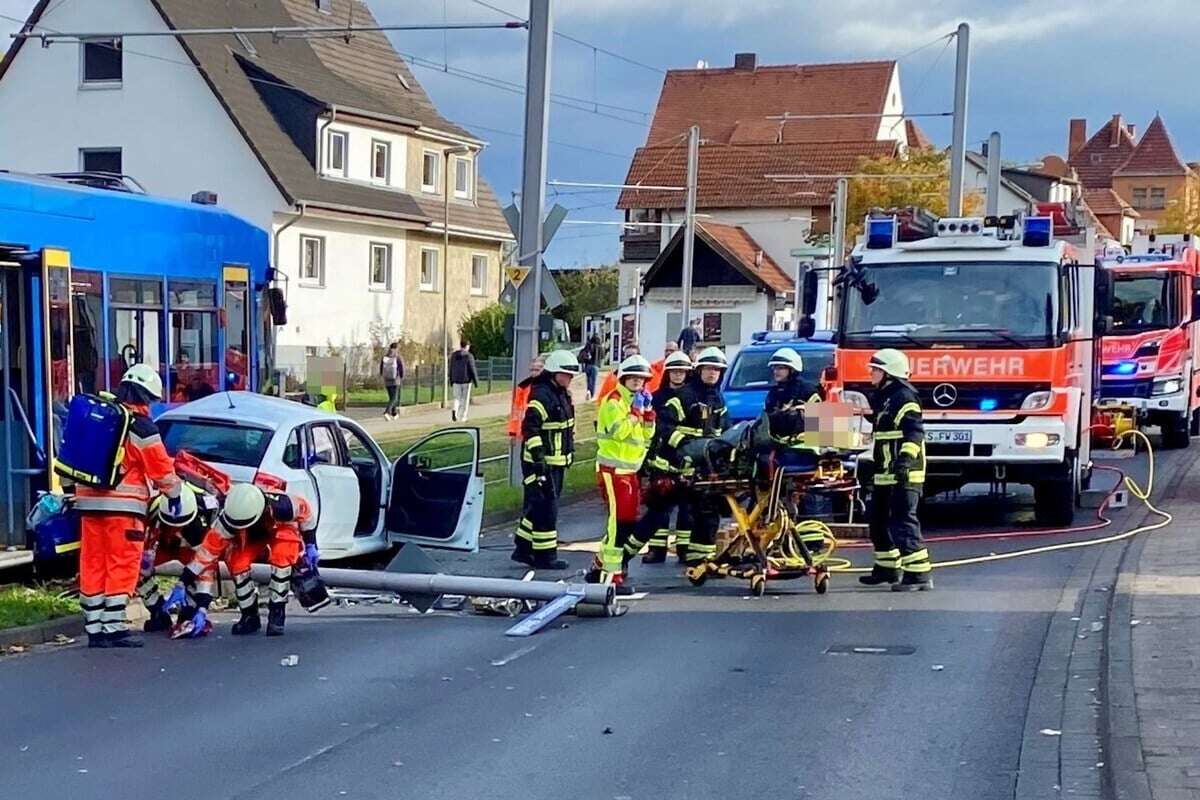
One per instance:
[(1155, 154), (746, 254), (1097, 160), (731, 105), (915, 136), (734, 176), (1106, 202)]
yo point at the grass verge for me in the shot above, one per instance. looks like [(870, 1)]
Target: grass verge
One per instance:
[(24, 605), (411, 394)]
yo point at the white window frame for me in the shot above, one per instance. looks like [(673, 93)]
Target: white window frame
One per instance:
[(375, 286), (431, 188), (482, 288), (468, 193), (106, 83), (319, 281), (386, 177), (329, 167), (429, 287)]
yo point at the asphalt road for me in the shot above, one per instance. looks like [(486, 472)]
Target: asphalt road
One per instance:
[(694, 693)]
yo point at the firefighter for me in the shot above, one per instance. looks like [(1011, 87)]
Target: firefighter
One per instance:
[(624, 429), (665, 485), (899, 451), (703, 417), (785, 406), (547, 449), (173, 535), (113, 521), (253, 521)]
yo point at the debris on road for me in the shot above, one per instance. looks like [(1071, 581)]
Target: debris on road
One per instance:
[(61, 639), (289, 661), (1097, 626), (938, 667), (1050, 732), (606, 732), (1135, 622)]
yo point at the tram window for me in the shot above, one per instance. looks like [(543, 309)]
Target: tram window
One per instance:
[(135, 335), (237, 334), (192, 294), (193, 355), (58, 284), (127, 291), (87, 303)]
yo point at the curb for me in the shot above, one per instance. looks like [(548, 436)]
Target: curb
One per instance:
[(42, 632)]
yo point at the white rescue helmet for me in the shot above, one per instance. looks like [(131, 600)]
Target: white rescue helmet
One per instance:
[(787, 357), (188, 509), (677, 360), (146, 377), (712, 357), (562, 361), (891, 361), (634, 367), (244, 506)]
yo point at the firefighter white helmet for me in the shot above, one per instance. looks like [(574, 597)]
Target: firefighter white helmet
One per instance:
[(712, 357), (244, 506), (787, 357), (634, 367), (677, 360), (562, 361), (146, 377), (891, 362), (188, 509)]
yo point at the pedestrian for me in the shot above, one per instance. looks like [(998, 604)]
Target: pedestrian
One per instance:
[(113, 521), (252, 524), (462, 377), (689, 337), (624, 430), (547, 449), (666, 488), (901, 558), (170, 537), (391, 370), (520, 396), (589, 356)]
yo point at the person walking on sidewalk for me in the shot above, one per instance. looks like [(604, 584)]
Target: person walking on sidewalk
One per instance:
[(899, 434), (391, 370), (589, 357), (462, 377)]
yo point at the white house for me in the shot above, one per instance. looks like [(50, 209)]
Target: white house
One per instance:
[(1013, 197), (332, 145)]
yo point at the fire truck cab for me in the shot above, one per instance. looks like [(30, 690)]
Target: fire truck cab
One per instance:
[(996, 317), (1151, 352)]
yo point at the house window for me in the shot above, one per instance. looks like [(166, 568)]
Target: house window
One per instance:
[(312, 260), (381, 266), (479, 265), (429, 170), (335, 152), (1139, 198), (381, 157), (1158, 197), (429, 269), (101, 61), (462, 178), (1097, 158), (100, 159), (325, 6)]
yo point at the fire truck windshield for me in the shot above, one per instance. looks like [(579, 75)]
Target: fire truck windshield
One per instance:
[(976, 304), (1144, 302)]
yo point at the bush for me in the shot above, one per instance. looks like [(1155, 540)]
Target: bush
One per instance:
[(485, 331)]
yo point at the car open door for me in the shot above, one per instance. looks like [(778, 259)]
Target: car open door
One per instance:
[(437, 492), (336, 484)]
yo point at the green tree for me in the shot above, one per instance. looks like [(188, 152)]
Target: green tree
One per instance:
[(485, 331), (921, 178), (1181, 216), (585, 291)]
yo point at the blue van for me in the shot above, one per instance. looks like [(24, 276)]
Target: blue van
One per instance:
[(748, 377)]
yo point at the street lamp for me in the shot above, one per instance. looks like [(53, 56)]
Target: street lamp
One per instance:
[(453, 151)]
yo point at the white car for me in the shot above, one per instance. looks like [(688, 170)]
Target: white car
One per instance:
[(431, 495)]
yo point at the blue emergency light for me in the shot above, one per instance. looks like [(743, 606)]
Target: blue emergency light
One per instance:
[(881, 233), (988, 404), (1125, 368), (1037, 231)]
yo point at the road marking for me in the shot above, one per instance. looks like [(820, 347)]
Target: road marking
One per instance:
[(514, 655), (870, 650)]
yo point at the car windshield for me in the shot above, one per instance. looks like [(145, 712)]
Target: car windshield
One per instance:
[(750, 370), (224, 442), (1143, 303), (984, 304)]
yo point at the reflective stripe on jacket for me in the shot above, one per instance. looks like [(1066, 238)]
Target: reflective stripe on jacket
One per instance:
[(548, 428), (899, 432), (622, 434)]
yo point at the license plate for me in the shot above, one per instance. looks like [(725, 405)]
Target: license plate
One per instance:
[(948, 437)]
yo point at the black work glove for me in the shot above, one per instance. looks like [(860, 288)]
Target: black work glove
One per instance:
[(903, 465)]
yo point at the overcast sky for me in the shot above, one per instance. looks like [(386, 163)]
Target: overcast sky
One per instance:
[(1034, 65)]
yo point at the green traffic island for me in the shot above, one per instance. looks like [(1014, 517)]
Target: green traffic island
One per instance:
[(31, 615)]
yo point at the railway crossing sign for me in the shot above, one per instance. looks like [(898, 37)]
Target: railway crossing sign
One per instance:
[(551, 295)]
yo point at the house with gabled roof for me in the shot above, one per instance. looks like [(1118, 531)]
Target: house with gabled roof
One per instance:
[(329, 143), (773, 139)]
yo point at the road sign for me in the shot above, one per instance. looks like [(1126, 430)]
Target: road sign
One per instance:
[(550, 291), (508, 296), (516, 274)]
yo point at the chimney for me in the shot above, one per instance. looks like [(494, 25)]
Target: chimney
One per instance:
[(1132, 130), (1076, 137), (1116, 131), (746, 61)]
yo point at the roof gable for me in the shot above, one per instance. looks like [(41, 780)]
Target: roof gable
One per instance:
[(1155, 154), (1099, 158), (723, 252)]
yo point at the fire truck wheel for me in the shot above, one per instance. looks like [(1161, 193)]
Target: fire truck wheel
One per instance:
[(1175, 433), (1054, 502), (1194, 426)]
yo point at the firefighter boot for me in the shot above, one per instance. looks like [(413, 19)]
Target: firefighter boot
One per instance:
[(249, 623), (276, 614), (914, 582), (879, 576), (621, 585), (159, 620), (124, 639), (547, 559), (98, 640), (655, 555)]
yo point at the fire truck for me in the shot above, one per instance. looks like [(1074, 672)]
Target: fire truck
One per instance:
[(1151, 352), (997, 318)]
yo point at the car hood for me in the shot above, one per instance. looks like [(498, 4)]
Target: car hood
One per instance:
[(743, 404)]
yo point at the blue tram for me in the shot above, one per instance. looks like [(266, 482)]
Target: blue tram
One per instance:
[(94, 278)]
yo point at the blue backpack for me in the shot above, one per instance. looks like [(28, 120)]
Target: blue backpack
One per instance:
[(94, 439)]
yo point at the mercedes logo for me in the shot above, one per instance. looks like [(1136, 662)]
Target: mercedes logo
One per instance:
[(944, 394)]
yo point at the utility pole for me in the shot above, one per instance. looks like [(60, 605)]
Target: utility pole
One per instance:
[(533, 198), (958, 145), (993, 175), (841, 189), (689, 235)]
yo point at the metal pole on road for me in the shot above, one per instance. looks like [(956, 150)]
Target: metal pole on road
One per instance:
[(993, 175), (689, 221), (958, 145), (533, 198)]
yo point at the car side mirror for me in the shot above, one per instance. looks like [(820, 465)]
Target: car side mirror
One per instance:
[(808, 302), (806, 328)]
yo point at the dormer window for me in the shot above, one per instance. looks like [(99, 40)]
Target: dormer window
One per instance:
[(463, 178)]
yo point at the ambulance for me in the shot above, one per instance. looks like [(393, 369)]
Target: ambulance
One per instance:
[(997, 318), (1151, 352)]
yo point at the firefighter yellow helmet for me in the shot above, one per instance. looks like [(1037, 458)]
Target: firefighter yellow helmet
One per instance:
[(677, 360), (787, 357), (146, 377), (712, 357), (244, 506), (891, 362), (188, 509), (634, 367), (562, 361)]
